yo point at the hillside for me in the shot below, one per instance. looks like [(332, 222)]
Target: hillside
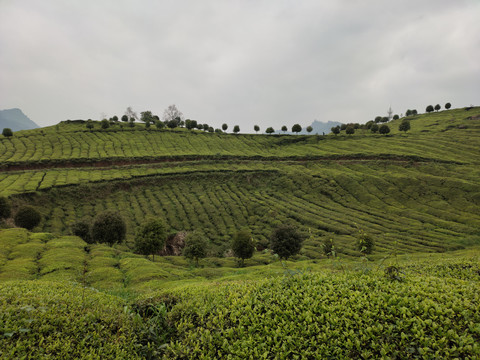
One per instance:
[(417, 194), (16, 120), (418, 190)]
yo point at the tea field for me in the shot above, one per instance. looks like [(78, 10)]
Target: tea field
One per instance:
[(417, 194)]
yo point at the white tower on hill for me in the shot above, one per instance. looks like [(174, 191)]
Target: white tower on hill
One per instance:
[(390, 112)]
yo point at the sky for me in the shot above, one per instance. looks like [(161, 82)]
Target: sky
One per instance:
[(240, 62)]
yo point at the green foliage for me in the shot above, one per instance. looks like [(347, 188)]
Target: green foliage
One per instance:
[(350, 130), (284, 128), (27, 217), (448, 105), (5, 208), (270, 130), (404, 126), (296, 128), (384, 129), (350, 316), (236, 129), (105, 124), (256, 128), (150, 237), (243, 246), (429, 108), (224, 127), (108, 227), (286, 241), (335, 130), (7, 132), (309, 129), (81, 228), (437, 107), (195, 246), (328, 247), (62, 321), (365, 242), (396, 117), (374, 128)]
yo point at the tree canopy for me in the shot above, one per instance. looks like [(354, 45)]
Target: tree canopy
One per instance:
[(109, 227), (242, 246), (150, 237), (286, 241)]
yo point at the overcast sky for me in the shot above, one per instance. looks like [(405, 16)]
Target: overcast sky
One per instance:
[(245, 62)]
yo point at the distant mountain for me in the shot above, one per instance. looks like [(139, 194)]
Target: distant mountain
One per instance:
[(321, 127), (16, 120)]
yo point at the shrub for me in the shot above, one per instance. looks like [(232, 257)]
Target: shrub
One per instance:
[(448, 106), (242, 246), (195, 246), (150, 237), (328, 247), (81, 228), (404, 126), (7, 132), (5, 208), (224, 127), (365, 243), (109, 227), (384, 129), (374, 128), (429, 109), (286, 241), (105, 124), (335, 130), (350, 130), (27, 217)]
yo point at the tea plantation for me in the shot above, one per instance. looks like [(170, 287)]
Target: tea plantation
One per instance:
[(416, 194)]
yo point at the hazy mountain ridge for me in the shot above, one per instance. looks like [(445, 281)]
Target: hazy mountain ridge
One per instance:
[(16, 120)]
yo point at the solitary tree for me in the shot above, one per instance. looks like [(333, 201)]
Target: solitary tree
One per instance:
[(384, 129), (286, 241), (7, 132), (437, 107), (5, 208), (296, 128), (109, 227), (270, 130), (150, 237), (404, 126), (224, 127), (125, 118), (284, 129), (195, 246), (256, 128), (396, 117), (429, 109), (172, 113), (309, 129), (335, 130), (236, 129), (242, 246), (81, 228), (350, 130), (374, 128), (27, 217), (448, 106), (146, 116)]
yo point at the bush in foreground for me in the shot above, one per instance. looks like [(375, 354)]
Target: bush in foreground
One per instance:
[(329, 316), (60, 321), (27, 217)]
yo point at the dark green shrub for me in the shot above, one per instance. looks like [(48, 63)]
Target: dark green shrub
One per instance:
[(27, 217), (5, 208), (81, 228), (109, 227), (296, 128), (404, 126), (7, 132), (286, 241), (374, 128), (328, 247), (195, 246), (429, 108), (350, 130), (384, 129), (365, 243), (150, 237), (242, 246)]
